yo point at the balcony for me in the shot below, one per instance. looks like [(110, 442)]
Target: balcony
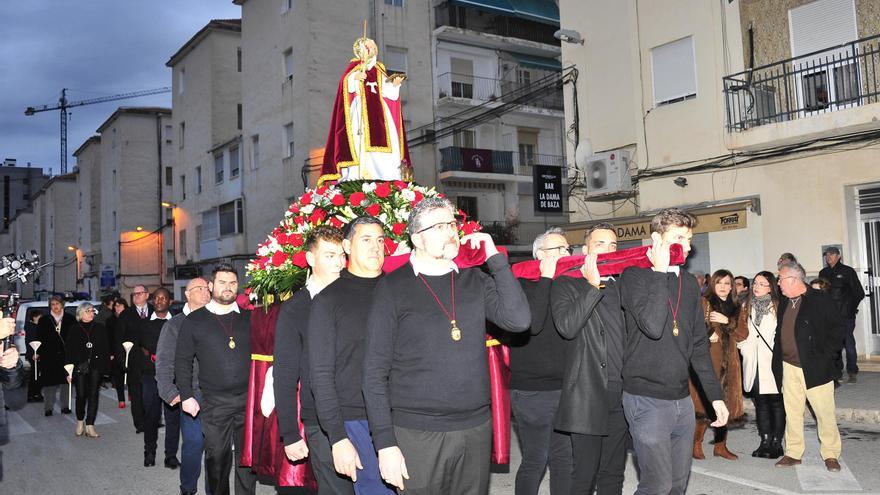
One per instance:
[(486, 27), (814, 95), (466, 89), (492, 165)]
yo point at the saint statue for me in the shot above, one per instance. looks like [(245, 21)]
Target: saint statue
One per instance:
[(367, 140)]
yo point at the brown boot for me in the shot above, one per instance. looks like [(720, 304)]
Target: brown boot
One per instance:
[(699, 431), (720, 449)]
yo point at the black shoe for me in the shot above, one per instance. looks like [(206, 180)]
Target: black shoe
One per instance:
[(65, 410), (149, 459), (161, 425), (138, 431), (171, 462), (187, 493), (776, 451), (48, 413), (763, 450)]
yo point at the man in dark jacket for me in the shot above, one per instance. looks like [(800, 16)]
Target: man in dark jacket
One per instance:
[(536, 372), (808, 339), (665, 337), (11, 376), (147, 344), (847, 293), (129, 324), (587, 311)]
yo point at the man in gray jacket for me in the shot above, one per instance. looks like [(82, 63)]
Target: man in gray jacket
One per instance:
[(197, 295)]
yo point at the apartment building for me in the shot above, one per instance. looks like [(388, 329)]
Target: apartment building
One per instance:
[(53, 228), (87, 245), (761, 117)]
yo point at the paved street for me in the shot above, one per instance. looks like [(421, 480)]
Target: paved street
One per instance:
[(44, 457)]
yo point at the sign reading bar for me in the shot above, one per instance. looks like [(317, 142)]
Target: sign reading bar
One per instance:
[(548, 188)]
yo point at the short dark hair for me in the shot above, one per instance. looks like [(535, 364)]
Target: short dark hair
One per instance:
[(352, 226), (122, 301), (745, 281), (222, 267), (599, 226), (108, 299), (164, 290), (672, 217), (327, 233)]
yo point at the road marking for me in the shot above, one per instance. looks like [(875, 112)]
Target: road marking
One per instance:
[(18, 425), (100, 419), (769, 488), (812, 474)]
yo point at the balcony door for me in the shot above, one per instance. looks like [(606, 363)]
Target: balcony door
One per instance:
[(462, 77), (828, 80)]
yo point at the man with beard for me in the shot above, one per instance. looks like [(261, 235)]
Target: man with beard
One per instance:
[(587, 311), (326, 258), (218, 335), (335, 341), (426, 373)]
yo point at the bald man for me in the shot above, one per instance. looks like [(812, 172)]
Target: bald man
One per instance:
[(197, 295)]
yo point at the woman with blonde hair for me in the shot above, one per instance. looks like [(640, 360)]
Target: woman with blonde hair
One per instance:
[(89, 352)]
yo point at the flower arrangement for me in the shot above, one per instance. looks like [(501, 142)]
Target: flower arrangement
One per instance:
[(280, 265)]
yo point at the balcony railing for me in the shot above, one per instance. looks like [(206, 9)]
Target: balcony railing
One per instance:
[(833, 79), (485, 89), (485, 22), (460, 159)]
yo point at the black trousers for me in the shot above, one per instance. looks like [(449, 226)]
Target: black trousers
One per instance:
[(541, 446), (223, 425), (600, 460), (153, 409), (117, 375), (136, 391), (88, 388), (450, 462), (321, 459)]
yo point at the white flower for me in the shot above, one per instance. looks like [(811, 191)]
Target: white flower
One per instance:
[(307, 209), (263, 251), (383, 217), (402, 214), (368, 187), (408, 194)]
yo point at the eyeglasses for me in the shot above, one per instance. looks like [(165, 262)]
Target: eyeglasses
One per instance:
[(762, 284), (560, 249), (783, 278), (198, 287), (452, 226), (139, 293)]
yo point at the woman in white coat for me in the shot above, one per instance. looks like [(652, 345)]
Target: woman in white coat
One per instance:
[(759, 315)]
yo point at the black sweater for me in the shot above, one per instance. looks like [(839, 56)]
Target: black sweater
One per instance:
[(415, 375), (656, 362), (148, 342), (536, 361), (291, 367), (222, 371), (335, 341)]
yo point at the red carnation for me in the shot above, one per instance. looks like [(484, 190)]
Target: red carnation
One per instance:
[(281, 237), (383, 190), (357, 198), (305, 199), (470, 227), (299, 220), (401, 185), (262, 262), (279, 258), (398, 228), (294, 208), (390, 246), (295, 240), (419, 197), (373, 209), (322, 190), (338, 200), (299, 259), (336, 222), (317, 216)]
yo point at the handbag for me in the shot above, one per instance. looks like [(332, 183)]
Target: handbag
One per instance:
[(82, 368)]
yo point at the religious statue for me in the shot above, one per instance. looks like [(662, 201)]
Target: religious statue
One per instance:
[(366, 140)]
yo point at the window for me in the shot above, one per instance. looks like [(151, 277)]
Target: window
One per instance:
[(181, 243), (674, 72), (169, 262), (218, 168), (199, 180), (210, 229), (466, 138), (114, 221), (238, 59), (467, 204), (233, 162), (169, 130), (238, 115), (113, 138), (114, 179), (182, 134), (230, 218), (181, 81), (523, 77), (169, 176), (394, 3), (286, 5), (288, 140), (395, 59), (288, 63), (182, 187), (462, 77), (255, 148)]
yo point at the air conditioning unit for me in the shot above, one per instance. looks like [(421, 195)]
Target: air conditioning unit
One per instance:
[(607, 173)]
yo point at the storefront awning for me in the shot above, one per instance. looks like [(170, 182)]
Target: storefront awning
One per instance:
[(544, 11), (534, 62)]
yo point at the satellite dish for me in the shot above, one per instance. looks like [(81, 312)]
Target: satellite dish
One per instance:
[(582, 153)]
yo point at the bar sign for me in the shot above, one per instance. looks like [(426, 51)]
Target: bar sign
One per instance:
[(548, 188)]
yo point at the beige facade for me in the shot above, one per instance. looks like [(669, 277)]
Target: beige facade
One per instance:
[(794, 153), (135, 152), (54, 229), (205, 130), (88, 242)]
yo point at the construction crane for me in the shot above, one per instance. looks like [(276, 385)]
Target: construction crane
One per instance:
[(63, 105)]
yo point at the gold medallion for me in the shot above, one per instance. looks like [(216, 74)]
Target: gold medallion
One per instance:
[(456, 332), (232, 343), (675, 328)]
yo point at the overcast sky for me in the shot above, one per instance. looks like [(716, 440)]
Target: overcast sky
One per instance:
[(94, 48)]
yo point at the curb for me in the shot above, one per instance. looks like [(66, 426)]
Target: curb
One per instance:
[(844, 414)]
